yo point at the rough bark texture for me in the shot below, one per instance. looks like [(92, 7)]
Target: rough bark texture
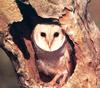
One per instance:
[(10, 11), (75, 20)]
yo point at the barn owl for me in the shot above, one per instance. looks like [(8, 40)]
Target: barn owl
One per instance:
[(52, 51)]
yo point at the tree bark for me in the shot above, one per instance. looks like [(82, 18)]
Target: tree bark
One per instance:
[(16, 25)]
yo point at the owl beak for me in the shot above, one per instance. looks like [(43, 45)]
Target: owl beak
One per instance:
[(49, 42)]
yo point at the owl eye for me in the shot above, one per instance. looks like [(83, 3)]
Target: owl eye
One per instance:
[(43, 34), (56, 34)]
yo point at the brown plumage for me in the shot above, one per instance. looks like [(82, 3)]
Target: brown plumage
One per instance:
[(52, 51)]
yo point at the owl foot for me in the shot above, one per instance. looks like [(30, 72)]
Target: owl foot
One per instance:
[(62, 81), (61, 78)]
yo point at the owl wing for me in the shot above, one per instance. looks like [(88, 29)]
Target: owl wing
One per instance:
[(67, 57)]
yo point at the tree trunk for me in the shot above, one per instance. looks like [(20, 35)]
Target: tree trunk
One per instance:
[(17, 20)]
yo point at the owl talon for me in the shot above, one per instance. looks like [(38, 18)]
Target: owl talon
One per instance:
[(54, 81)]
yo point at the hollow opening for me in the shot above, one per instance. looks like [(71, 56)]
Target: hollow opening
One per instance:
[(20, 30)]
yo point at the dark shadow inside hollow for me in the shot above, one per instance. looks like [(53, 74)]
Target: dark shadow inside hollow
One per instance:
[(23, 29), (46, 78), (72, 54)]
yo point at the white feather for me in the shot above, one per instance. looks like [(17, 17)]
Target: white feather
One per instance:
[(49, 30)]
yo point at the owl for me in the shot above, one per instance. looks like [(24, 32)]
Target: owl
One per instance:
[(53, 52)]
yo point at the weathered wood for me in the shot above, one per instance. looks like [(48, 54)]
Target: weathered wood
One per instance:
[(10, 10), (76, 22)]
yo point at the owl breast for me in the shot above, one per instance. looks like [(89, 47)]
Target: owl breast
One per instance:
[(47, 61)]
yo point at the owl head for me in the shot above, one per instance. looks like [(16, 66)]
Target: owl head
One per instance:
[(48, 37)]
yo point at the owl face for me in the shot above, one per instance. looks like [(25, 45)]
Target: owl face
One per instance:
[(48, 37)]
